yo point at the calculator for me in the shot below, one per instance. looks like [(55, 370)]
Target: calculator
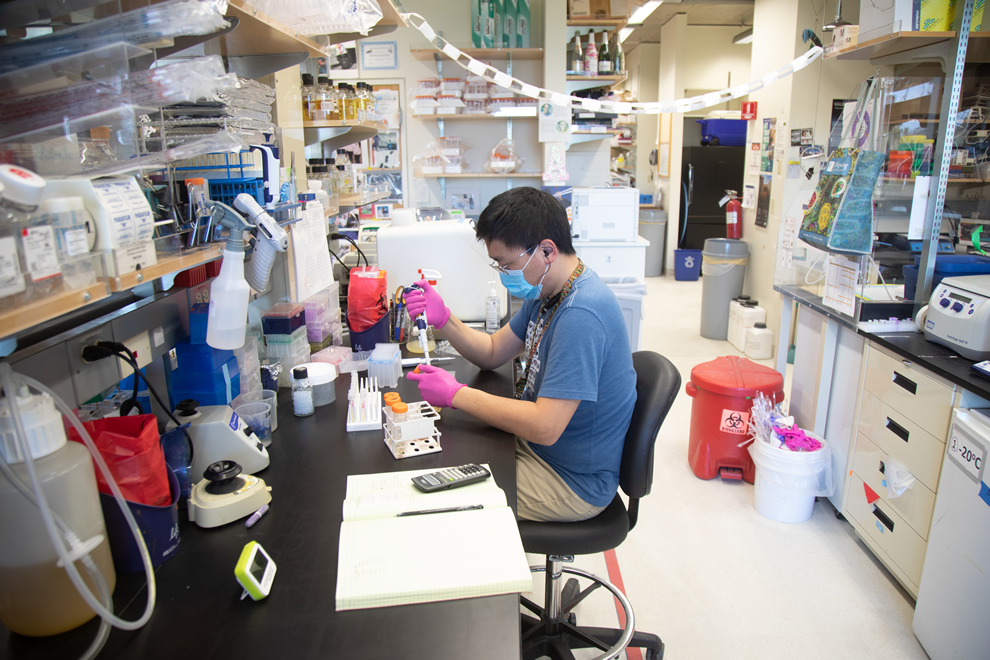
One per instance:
[(451, 478)]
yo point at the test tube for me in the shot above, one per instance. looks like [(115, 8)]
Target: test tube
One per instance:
[(391, 397), (399, 412)]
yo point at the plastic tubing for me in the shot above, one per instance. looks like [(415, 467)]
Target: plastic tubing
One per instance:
[(7, 380)]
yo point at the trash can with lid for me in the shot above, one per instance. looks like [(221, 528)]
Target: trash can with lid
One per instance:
[(723, 267), (723, 391)]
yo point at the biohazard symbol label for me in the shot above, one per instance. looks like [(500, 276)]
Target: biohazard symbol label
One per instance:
[(734, 421)]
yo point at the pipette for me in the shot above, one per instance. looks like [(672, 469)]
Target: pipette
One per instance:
[(421, 325)]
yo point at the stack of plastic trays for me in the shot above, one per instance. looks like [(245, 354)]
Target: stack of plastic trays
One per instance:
[(385, 364), (283, 319), (333, 355), (323, 327), (249, 364), (291, 350)]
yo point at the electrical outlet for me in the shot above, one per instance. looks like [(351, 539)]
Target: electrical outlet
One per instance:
[(140, 345)]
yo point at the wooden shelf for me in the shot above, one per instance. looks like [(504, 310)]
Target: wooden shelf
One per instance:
[(426, 54), (607, 131), (260, 34), (905, 41), (166, 266), (482, 175), (346, 123), (473, 117), (336, 133), (605, 21), (605, 79), (29, 315)]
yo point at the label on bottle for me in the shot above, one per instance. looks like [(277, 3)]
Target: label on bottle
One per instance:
[(11, 279), (491, 316), (76, 242), (127, 211), (40, 252), (604, 67)]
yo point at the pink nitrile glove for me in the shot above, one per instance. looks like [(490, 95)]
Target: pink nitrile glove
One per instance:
[(428, 299), (437, 386)]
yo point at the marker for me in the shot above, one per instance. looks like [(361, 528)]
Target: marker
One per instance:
[(256, 516), (466, 507)]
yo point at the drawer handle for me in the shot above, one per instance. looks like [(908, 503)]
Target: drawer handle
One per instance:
[(883, 468), (906, 383), (882, 517), (898, 430)]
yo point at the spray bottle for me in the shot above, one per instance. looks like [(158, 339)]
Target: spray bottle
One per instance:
[(493, 312), (270, 239), (229, 293)]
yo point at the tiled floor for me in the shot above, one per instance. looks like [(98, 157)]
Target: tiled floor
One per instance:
[(714, 578)]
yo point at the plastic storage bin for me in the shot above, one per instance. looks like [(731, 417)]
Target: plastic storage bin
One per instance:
[(200, 358), (722, 391), (687, 265), (198, 315), (226, 190), (207, 381), (946, 265), (724, 132), (787, 482), (630, 291)]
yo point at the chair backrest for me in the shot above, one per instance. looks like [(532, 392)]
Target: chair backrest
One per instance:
[(657, 385)]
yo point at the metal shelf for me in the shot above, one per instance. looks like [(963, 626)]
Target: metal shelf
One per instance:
[(337, 133)]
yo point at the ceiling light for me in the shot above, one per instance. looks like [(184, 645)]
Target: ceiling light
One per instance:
[(744, 37), (624, 34), (643, 12)]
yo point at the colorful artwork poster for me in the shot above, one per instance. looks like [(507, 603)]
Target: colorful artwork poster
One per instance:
[(763, 201), (769, 135)]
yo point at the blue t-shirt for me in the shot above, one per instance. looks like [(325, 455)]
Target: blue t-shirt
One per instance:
[(584, 355)]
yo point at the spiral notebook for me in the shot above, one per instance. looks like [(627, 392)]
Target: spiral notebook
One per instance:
[(384, 560)]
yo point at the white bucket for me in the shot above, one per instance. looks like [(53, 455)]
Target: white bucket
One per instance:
[(787, 482)]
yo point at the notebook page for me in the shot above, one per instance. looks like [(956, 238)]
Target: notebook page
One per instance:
[(420, 559), (389, 493)]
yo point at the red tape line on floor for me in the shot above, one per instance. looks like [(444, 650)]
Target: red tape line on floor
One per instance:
[(615, 577)]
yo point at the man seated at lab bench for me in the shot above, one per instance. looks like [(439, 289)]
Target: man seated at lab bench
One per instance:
[(573, 404)]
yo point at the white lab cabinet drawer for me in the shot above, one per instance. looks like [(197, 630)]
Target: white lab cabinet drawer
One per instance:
[(883, 529), (915, 504), (614, 258), (895, 433), (918, 396)]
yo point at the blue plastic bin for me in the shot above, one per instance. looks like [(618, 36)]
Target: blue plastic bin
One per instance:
[(687, 265), (376, 334), (198, 315), (946, 265), (218, 397), (200, 358), (205, 381), (226, 190), (723, 132)]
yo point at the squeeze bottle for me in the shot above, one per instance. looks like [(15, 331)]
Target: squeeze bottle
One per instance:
[(493, 312), (229, 293)]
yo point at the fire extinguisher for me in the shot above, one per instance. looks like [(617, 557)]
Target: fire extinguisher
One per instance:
[(733, 214)]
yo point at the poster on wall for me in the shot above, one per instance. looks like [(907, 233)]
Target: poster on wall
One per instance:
[(763, 201), (343, 60), (379, 55), (554, 123), (769, 135)]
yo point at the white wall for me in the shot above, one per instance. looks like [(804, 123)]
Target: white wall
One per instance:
[(712, 60), (673, 49), (643, 63)]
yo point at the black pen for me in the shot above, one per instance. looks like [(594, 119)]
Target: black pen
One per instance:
[(466, 507)]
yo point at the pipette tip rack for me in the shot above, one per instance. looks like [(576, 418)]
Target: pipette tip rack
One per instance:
[(364, 405)]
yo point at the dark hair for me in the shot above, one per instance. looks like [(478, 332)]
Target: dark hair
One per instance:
[(522, 217)]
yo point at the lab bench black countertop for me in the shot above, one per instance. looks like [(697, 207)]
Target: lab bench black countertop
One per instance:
[(199, 614)]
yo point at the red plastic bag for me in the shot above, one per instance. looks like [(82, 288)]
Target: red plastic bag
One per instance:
[(367, 298), (132, 451)]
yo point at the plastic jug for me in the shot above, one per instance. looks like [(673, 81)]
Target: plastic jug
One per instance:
[(759, 342), (36, 596)]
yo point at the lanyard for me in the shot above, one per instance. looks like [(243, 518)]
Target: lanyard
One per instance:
[(566, 289)]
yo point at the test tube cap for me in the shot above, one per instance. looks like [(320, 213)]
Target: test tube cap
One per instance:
[(398, 408)]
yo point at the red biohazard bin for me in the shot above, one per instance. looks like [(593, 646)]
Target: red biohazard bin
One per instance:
[(723, 392)]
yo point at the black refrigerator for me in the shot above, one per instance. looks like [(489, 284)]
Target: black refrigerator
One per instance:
[(706, 173)]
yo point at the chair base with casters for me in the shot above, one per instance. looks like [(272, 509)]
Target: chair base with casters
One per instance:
[(553, 632)]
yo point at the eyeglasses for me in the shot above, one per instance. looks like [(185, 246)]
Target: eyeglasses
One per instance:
[(504, 269)]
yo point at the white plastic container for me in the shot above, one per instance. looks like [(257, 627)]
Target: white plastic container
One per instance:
[(759, 342), (229, 298), (743, 315), (787, 482), (36, 596)]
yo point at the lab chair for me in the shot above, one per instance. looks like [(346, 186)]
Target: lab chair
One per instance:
[(554, 633)]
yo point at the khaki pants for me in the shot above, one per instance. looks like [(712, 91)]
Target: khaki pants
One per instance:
[(542, 495)]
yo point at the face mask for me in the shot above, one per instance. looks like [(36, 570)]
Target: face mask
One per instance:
[(515, 283)]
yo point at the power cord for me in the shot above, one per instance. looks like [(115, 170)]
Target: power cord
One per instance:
[(337, 237)]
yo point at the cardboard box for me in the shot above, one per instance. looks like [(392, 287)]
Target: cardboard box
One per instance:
[(937, 15), (845, 36), (902, 15), (976, 24), (618, 8), (476, 20), (522, 23), (579, 8), (509, 24)]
